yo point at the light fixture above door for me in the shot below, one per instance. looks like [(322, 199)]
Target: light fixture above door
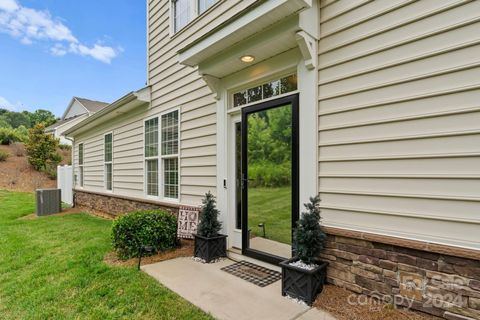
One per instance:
[(247, 58)]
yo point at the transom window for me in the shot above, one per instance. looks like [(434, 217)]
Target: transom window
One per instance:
[(108, 157), (266, 90), (185, 11), (165, 162)]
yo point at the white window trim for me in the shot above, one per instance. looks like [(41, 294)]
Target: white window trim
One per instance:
[(170, 156), (145, 158), (107, 162), (81, 170), (160, 158), (194, 14)]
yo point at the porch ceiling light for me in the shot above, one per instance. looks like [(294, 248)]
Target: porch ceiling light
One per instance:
[(247, 58)]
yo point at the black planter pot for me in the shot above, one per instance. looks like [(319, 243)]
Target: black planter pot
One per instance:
[(210, 248), (303, 284)]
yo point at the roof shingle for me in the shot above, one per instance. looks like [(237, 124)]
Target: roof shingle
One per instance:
[(92, 105)]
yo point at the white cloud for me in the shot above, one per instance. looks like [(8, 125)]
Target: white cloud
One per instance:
[(5, 104), (58, 50), (99, 52), (30, 25), (8, 5)]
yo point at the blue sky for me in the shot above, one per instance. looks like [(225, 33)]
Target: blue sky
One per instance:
[(51, 50)]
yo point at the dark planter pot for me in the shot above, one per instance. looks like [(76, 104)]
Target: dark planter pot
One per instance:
[(303, 284), (210, 248)]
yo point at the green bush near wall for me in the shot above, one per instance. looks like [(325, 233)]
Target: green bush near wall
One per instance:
[(154, 228), (269, 174)]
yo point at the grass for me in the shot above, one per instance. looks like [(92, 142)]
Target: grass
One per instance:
[(271, 206), (52, 268)]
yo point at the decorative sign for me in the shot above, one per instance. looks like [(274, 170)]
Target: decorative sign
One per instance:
[(187, 221)]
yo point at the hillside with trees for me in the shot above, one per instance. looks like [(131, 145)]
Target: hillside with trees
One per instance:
[(29, 156)]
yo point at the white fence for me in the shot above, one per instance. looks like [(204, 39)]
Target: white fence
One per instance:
[(65, 183)]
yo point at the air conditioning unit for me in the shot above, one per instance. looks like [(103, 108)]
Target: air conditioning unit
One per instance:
[(49, 201)]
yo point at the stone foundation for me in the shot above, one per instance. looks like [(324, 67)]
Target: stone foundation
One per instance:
[(439, 284), (117, 205)]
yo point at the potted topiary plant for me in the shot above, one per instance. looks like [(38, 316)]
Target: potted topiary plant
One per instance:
[(209, 243), (304, 275)]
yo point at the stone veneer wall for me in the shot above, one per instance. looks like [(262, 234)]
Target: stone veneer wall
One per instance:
[(116, 205), (440, 284)]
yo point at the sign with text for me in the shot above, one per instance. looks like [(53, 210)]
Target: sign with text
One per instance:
[(187, 221)]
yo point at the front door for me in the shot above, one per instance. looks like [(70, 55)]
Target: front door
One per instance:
[(269, 178)]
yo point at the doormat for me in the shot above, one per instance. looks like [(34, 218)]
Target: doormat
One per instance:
[(253, 273)]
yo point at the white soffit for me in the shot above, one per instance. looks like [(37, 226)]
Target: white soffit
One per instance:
[(278, 38), (256, 20)]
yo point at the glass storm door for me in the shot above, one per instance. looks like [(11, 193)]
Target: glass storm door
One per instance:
[(269, 178)]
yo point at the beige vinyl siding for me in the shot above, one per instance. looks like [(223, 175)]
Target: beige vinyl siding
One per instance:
[(175, 85), (127, 155), (399, 118), (93, 163), (75, 159)]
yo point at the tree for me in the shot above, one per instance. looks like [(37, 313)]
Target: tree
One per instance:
[(42, 116), (4, 122), (308, 237), (209, 225), (17, 119), (42, 149)]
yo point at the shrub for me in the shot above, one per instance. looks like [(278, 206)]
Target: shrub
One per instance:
[(209, 225), (22, 134), (154, 228), (269, 174), (308, 237), (42, 148), (8, 136), (51, 171), (3, 155)]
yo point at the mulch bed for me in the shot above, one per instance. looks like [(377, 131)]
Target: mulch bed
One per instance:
[(184, 250), (336, 301)]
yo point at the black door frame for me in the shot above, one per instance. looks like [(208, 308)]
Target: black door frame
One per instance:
[(294, 101)]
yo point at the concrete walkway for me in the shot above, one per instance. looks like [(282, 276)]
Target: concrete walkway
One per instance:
[(225, 296)]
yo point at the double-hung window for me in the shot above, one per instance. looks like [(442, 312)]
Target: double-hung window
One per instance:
[(161, 156), (108, 152), (151, 156), (185, 11), (80, 164), (169, 140)]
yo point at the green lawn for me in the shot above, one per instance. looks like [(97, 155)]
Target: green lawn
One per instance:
[(52, 268), (271, 206)]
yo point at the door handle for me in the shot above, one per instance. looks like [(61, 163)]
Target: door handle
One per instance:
[(243, 181)]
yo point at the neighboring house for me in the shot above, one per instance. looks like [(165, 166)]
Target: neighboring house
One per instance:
[(78, 109), (374, 105)]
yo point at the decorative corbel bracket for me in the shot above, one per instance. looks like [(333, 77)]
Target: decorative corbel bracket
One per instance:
[(307, 45), (213, 83)]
